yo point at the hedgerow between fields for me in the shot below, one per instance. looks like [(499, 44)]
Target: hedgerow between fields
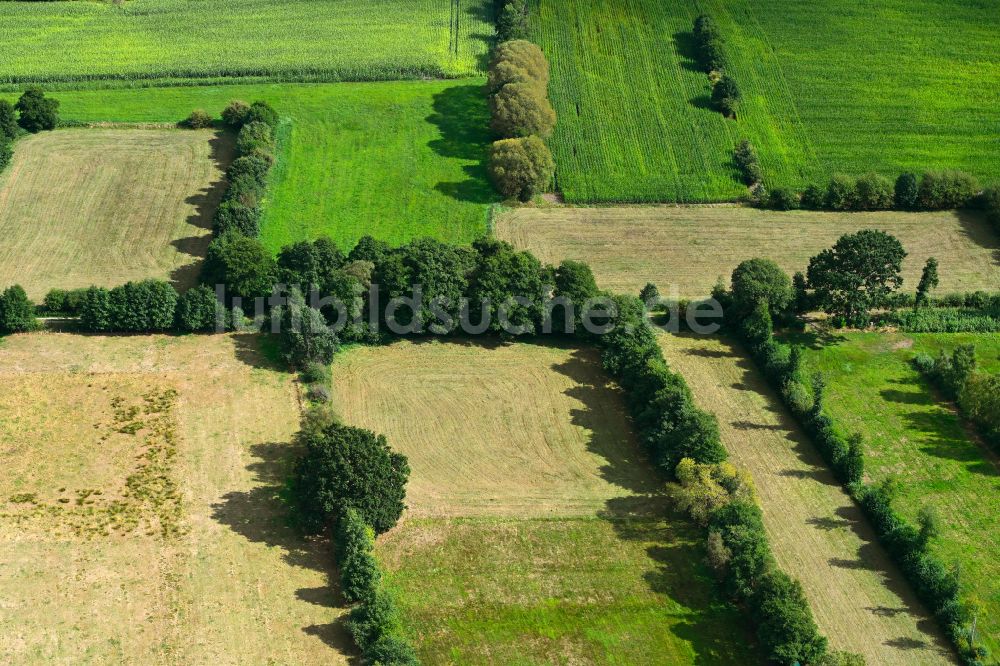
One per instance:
[(761, 292)]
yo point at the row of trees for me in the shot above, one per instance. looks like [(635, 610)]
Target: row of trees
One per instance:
[(240, 210), (976, 392), (350, 482), (934, 190), (709, 52), (150, 306), (521, 116), (761, 290), (32, 113)]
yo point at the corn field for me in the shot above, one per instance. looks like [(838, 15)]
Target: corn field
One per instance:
[(332, 40), (821, 94)]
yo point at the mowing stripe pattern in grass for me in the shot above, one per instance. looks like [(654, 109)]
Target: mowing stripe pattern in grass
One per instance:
[(819, 536), (692, 246), (343, 40), (86, 207)]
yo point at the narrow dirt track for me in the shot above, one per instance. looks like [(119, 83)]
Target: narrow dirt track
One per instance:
[(860, 600)]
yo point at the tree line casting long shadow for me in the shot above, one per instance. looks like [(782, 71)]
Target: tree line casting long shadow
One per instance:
[(647, 516), (222, 150)]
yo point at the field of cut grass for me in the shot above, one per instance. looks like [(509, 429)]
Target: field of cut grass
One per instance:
[(343, 40), (911, 434), (831, 87), (139, 519), (819, 536), (691, 247), (535, 533), (397, 160), (103, 206)]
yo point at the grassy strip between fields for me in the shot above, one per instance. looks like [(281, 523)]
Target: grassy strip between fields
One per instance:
[(912, 436), (935, 584)]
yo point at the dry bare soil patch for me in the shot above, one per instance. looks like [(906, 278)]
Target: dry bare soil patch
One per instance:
[(104, 206), (536, 533), (138, 514), (692, 246), (819, 536)]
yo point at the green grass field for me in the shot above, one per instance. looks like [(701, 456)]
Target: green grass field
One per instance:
[(829, 87), (397, 160), (582, 590), (911, 434), (341, 40)]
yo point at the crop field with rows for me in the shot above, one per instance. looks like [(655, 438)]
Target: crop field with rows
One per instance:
[(343, 40), (822, 93)]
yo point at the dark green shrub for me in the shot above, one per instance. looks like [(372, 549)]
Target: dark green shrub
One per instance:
[(6, 152), (708, 44), (521, 168), (500, 272), (857, 274), (8, 122), (746, 160), (17, 312), (142, 307), (255, 138), (311, 264), (873, 192), (95, 311), (928, 282), (345, 467), (782, 198), (786, 628), (198, 119), (303, 335), (369, 249), (249, 166), (841, 193), (262, 112), (761, 280), (36, 112), (314, 373), (726, 96), (512, 23), (198, 310), (354, 543), (906, 190), (940, 190), (521, 110), (242, 264), (236, 113), (234, 217), (813, 197)]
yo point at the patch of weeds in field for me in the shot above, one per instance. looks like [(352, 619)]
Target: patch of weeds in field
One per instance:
[(149, 499)]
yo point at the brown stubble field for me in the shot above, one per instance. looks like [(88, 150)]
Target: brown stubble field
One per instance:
[(103, 206), (819, 536), (98, 580), (692, 246)]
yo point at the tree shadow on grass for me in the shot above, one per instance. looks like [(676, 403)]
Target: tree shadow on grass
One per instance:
[(260, 516), (462, 117), (684, 44), (482, 12), (222, 150), (976, 228)]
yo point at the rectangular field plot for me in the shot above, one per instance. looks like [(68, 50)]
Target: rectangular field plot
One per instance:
[(139, 519), (911, 434), (692, 246), (826, 87), (343, 40), (819, 536), (103, 206), (535, 531), (397, 160), (569, 591)]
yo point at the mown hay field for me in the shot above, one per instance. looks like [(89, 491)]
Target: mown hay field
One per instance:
[(139, 519), (911, 434), (398, 160), (819, 536), (103, 206), (690, 247), (830, 87), (349, 40), (535, 533)]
